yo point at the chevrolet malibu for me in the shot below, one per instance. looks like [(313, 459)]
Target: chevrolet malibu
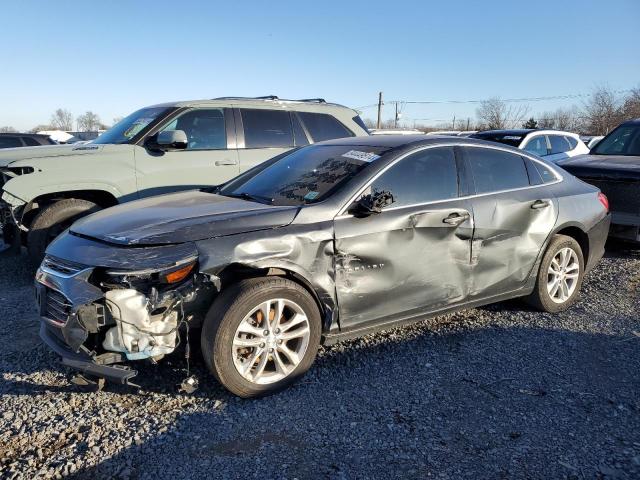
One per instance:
[(328, 242)]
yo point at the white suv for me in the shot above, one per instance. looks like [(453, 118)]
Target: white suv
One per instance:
[(553, 145)]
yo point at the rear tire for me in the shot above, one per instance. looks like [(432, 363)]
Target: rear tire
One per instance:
[(559, 277), (236, 347), (53, 220)]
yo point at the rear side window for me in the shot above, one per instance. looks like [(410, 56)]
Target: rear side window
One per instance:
[(425, 176), (559, 144), (31, 142), (10, 142), (537, 145), (266, 128), (572, 142), (324, 127), (496, 170)]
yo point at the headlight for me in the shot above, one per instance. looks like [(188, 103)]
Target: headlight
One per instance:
[(150, 277)]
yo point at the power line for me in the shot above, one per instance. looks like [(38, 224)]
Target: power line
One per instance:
[(506, 100)]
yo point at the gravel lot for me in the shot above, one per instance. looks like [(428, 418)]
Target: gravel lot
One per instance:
[(496, 392)]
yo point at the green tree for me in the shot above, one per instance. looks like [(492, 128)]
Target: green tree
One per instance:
[(531, 123)]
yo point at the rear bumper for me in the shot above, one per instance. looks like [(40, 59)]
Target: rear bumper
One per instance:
[(81, 361), (597, 238)]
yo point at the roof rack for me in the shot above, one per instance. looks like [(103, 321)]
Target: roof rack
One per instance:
[(274, 97)]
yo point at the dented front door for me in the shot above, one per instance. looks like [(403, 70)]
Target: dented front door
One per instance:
[(402, 261)]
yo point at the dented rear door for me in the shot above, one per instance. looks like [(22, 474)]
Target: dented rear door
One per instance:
[(413, 255), (512, 219)]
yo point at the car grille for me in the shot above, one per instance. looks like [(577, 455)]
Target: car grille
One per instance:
[(623, 196), (56, 306), (64, 267)]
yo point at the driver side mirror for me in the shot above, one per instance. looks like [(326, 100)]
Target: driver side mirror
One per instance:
[(371, 203), (169, 140)]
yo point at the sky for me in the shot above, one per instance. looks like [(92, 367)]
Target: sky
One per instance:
[(114, 57)]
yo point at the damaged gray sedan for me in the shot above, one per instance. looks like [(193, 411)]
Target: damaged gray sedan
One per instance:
[(331, 241)]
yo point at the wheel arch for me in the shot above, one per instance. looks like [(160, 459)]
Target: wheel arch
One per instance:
[(235, 272), (576, 231)]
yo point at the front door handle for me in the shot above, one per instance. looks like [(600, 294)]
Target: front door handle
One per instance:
[(455, 219), (538, 204), (226, 161)]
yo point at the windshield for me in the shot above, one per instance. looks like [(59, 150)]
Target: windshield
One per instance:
[(624, 140), (308, 175), (130, 126)]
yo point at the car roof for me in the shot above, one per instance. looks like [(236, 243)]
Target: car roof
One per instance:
[(270, 100), (17, 134), (634, 122), (395, 141)]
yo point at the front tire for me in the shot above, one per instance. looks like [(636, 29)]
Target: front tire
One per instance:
[(261, 335), (52, 221), (560, 276)]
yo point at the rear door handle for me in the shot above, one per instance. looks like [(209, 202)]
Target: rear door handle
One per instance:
[(455, 219), (226, 161), (538, 204)]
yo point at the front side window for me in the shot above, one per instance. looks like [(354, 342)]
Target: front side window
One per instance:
[(129, 127), (322, 126), (624, 140), (537, 145), (496, 170), (422, 177), (559, 144), (266, 128), (308, 175), (205, 128)]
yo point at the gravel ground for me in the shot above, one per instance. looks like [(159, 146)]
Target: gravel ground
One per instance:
[(496, 392)]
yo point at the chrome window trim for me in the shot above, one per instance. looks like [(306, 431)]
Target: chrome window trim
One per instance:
[(559, 178)]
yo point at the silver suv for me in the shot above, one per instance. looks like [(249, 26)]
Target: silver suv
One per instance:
[(158, 149)]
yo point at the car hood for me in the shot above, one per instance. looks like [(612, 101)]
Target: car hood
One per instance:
[(8, 155), (181, 217), (610, 167)]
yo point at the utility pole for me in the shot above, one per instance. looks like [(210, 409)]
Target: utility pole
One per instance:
[(379, 125), (453, 125), (395, 119)]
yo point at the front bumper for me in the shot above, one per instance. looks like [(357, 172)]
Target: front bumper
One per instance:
[(82, 361)]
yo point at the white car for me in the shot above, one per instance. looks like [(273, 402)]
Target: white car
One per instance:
[(553, 145)]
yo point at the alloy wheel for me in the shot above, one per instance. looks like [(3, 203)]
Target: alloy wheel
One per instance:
[(271, 341), (563, 275)]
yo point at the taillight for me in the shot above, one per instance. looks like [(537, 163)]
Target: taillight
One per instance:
[(604, 201)]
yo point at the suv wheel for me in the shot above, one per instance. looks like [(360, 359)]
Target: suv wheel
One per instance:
[(560, 276), (261, 335), (51, 221)]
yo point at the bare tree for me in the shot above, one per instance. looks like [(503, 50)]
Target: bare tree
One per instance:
[(602, 112), (631, 105), (88, 122), (62, 120), (567, 119), (7, 129), (495, 114), (40, 128)]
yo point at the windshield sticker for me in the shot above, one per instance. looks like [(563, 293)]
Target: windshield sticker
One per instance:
[(362, 156), (311, 195)]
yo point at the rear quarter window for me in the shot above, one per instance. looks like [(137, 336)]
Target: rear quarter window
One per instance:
[(322, 126)]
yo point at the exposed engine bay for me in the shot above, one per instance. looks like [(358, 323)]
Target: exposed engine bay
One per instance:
[(111, 316)]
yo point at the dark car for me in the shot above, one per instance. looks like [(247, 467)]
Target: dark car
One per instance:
[(331, 241), (614, 166), (15, 140)]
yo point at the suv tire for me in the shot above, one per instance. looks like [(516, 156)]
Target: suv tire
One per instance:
[(238, 310), (53, 220), (555, 275)]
